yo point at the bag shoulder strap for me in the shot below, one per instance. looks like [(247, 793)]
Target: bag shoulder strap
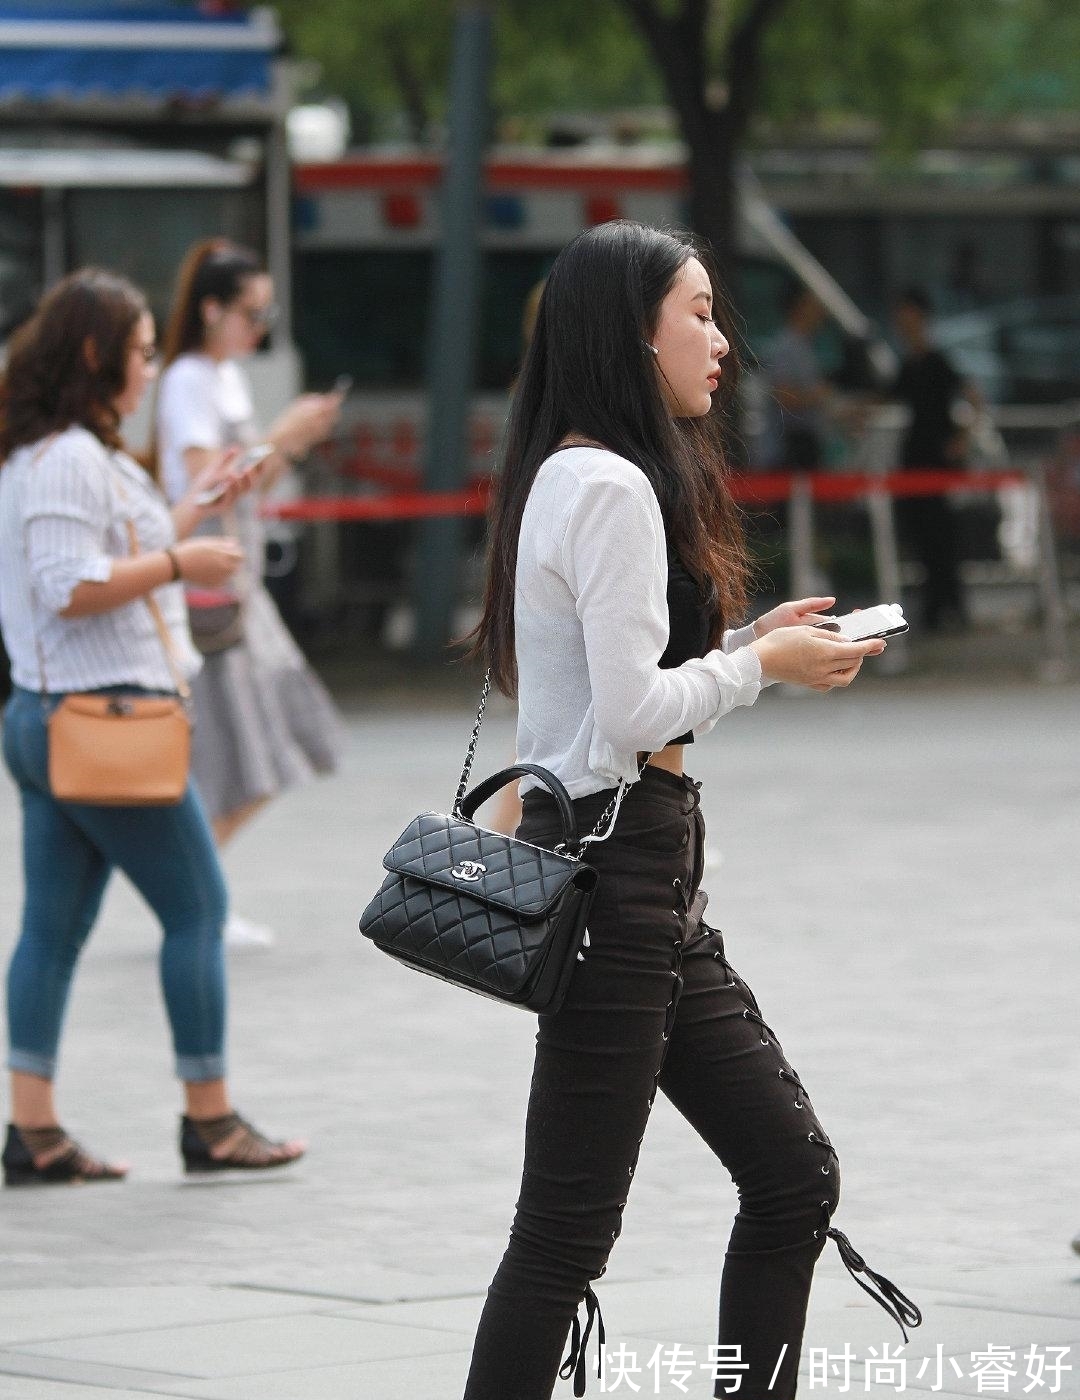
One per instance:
[(168, 645)]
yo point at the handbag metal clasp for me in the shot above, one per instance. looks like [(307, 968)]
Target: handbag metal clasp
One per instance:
[(470, 870)]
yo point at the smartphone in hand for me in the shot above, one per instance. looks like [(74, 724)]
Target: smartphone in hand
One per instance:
[(882, 620), (252, 457)]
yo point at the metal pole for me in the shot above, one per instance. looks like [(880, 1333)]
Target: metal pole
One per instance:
[(1055, 664), (879, 506), (453, 334), (804, 576)]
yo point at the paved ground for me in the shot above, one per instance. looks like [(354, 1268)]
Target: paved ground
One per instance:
[(895, 871)]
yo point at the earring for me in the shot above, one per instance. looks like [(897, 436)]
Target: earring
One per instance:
[(646, 346)]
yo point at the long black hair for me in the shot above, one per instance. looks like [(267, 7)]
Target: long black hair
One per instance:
[(588, 373)]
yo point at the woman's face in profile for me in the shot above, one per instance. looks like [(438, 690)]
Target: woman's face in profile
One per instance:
[(139, 366), (237, 328), (689, 347)]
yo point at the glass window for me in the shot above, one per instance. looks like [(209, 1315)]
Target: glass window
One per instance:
[(144, 233), (964, 263), (362, 312), (366, 312), (21, 271), (509, 280)]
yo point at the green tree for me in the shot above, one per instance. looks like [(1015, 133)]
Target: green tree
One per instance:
[(910, 65)]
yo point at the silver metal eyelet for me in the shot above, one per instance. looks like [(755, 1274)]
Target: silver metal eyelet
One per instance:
[(825, 1171)]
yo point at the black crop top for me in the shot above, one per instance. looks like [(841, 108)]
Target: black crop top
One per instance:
[(689, 622)]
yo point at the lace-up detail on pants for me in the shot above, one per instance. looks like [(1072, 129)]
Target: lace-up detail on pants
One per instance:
[(655, 1004), (884, 1292)]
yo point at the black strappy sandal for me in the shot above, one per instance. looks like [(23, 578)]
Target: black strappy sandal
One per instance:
[(70, 1164), (252, 1152)]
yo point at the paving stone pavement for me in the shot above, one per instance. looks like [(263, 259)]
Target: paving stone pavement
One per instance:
[(895, 871)]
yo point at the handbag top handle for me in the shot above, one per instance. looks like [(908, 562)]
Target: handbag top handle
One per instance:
[(167, 643)]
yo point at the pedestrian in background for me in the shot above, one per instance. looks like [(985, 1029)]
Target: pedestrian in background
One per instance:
[(264, 719), (800, 394), (930, 388), (616, 564), (75, 618)]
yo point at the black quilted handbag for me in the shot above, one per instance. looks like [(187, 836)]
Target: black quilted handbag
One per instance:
[(490, 913)]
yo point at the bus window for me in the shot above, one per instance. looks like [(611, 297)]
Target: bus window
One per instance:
[(363, 312), (144, 233), (21, 272), (509, 277)]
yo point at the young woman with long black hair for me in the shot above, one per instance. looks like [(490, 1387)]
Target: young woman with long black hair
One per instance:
[(616, 566)]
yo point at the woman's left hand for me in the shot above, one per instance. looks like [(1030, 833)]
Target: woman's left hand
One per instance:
[(803, 612)]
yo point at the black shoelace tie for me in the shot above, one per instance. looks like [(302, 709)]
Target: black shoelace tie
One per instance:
[(883, 1291), (898, 1305), (763, 1026), (574, 1365), (790, 1077)]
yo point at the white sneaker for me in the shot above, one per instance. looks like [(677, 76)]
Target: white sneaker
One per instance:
[(245, 933)]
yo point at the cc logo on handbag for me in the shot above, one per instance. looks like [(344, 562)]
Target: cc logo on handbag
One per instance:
[(468, 870)]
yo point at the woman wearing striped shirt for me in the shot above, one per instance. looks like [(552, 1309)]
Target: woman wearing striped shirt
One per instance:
[(74, 618)]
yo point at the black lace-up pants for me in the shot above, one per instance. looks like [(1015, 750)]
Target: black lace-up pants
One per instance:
[(654, 1003)]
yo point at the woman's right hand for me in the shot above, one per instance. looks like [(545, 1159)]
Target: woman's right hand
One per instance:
[(208, 560), (813, 658), (308, 420)]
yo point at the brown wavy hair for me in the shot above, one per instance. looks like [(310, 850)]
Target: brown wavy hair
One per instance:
[(588, 373), (51, 382)]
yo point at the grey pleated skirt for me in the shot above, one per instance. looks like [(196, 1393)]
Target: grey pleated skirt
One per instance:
[(263, 719)]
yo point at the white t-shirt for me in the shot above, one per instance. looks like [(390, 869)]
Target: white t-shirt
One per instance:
[(591, 624), (202, 403)]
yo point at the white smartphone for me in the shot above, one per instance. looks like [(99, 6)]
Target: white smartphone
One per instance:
[(248, 459), (882, 620)]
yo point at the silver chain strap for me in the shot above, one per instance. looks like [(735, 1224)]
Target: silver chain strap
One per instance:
[(467, 767), (608, 814)]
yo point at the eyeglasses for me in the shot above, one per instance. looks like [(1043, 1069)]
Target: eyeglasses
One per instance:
[(259, 317)]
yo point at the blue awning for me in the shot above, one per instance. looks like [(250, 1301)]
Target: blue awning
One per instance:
[(156, 52)]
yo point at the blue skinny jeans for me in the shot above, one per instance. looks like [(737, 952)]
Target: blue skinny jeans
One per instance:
[(69, 852)]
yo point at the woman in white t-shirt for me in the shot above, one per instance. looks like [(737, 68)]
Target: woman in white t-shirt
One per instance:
[(264, 719)]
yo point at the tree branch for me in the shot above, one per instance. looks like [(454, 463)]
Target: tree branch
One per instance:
[(409, 82), (679, 53), (744, 63)]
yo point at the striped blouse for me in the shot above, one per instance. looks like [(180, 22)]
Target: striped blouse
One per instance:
[(62, 522)]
